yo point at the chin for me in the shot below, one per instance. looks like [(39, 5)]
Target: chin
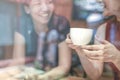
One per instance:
[(41, 20), (44, 22)]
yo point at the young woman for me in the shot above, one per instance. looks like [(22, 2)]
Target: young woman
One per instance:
[(40, 31)]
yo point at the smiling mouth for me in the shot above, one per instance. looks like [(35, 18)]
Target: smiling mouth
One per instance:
[(44, 15)]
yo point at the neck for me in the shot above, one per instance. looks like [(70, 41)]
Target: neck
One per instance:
[(39, 27)]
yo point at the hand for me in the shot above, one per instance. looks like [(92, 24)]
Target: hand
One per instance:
[(106, 51), (41, 77), (70, 43), (45, 77), (77, 48), (68, 40), (110, 52)]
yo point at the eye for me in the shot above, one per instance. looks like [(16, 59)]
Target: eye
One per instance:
[(37, 2), (50, 1)]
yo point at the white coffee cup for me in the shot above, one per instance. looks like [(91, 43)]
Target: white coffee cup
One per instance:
[(81, 36)]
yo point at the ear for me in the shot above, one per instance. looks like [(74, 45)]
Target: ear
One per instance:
[(27, 9)]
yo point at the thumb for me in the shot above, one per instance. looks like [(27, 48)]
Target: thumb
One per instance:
[(105, 42)]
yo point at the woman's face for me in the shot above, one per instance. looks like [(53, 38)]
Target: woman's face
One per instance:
[(112, 7), (41, 10)]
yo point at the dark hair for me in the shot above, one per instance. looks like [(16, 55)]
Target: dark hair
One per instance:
[(26, 2)]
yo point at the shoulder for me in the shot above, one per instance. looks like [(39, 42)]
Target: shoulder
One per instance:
[(18, 38)]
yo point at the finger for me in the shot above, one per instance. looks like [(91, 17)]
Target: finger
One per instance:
[(105, 42), (68, 35), (68, 41), (93, 53), (107, 60), (100, 58), (74, 47), (107, 55), (71, 46), (93, 47)]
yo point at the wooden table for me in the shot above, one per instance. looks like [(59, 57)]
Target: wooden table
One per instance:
[(72, 78), (14, 73)]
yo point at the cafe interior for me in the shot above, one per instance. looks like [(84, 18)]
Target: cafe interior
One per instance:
[(79, 13)]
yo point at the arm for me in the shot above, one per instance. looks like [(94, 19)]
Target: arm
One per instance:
[(95, 68), (64, 64), (18, 50)]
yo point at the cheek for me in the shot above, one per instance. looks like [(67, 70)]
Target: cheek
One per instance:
[(107, 12), (115, 7), (51, 8), (34, 11)]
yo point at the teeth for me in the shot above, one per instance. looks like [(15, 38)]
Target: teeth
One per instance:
[(44, 15)]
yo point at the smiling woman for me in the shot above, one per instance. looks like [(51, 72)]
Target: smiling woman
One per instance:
[(39, 33)]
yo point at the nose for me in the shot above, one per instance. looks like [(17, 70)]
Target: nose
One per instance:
[(44, 7)]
